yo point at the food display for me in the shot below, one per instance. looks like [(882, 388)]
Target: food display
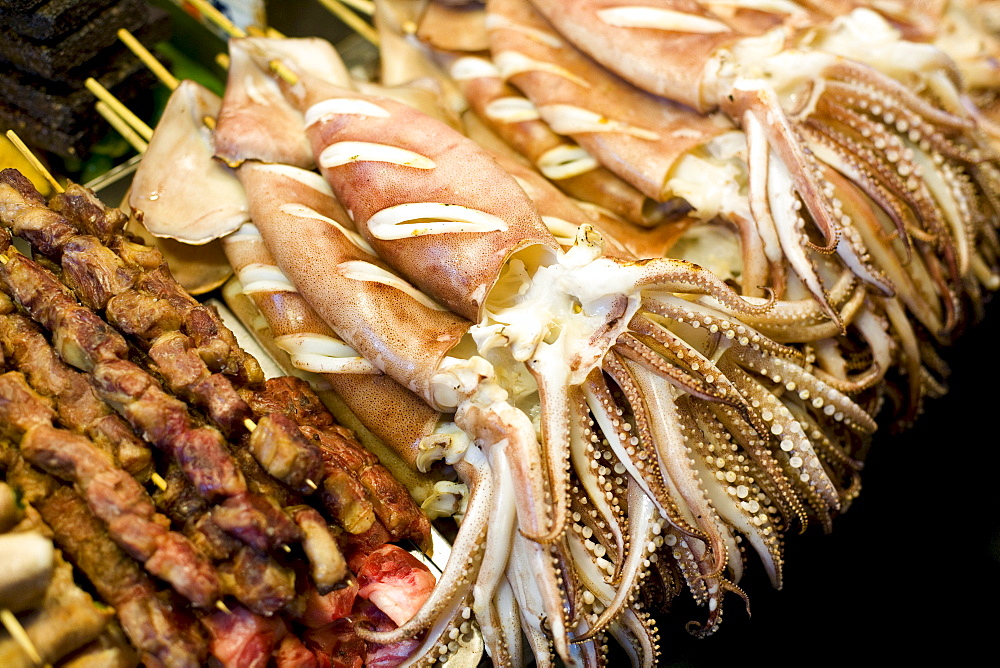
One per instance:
[(626, 290)]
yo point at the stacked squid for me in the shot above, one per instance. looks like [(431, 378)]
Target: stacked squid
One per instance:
[(523, 308)]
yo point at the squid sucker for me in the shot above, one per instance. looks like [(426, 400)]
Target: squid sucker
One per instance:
[(627, 426)]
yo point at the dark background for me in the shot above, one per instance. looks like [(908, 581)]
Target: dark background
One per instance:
[(912, 567)]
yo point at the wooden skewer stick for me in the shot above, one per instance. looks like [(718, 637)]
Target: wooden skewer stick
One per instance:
[(218, 18), (33, 159), (161, 72), (123, 128), (20, 636), (222, 60), (223, 607), (147, 58), (107, 98), (366, 7), (352, 20), (283, 72), (158, 481)]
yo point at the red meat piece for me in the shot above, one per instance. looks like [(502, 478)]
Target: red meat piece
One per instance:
[(241, 639), (395, 581)]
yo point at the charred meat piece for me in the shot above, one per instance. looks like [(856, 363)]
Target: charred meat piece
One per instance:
[(79, 408), (154, 622), (286, 453), (388, 499), (23, 210), (164, 421), (355, 487), (21, 408), (111, 493), (186, 373), (293, 398), (136, 314), (326, 562), (94, 272), (81, 338), (258, 582), (256, 521), (88, 213), (118, 500)]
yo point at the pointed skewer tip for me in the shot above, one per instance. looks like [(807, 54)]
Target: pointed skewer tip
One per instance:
[(19, 635), (148, 59), (158, 481), (34, 161)]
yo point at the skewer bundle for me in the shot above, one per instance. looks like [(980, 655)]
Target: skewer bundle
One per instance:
[(263, 506)]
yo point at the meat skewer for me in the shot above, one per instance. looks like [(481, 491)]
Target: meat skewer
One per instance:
[(154, 309), (171, 350), (112, 494), (138, 295), (152, 619), (256, 580), (84, 340), (317, 537), (328, 565), (344, 461), (78, 407)]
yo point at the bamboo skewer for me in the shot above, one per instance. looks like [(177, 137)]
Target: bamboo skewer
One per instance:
[(34, 161), (123, 128), (352, 20), (20, 636), (218, 18), (106, 97), (366, 7), (147, 58)]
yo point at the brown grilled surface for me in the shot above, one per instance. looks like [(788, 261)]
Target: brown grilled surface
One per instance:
[(153, 619), (156, 622), (112, 494), (88, 213), (355, 488), (78, 406)]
